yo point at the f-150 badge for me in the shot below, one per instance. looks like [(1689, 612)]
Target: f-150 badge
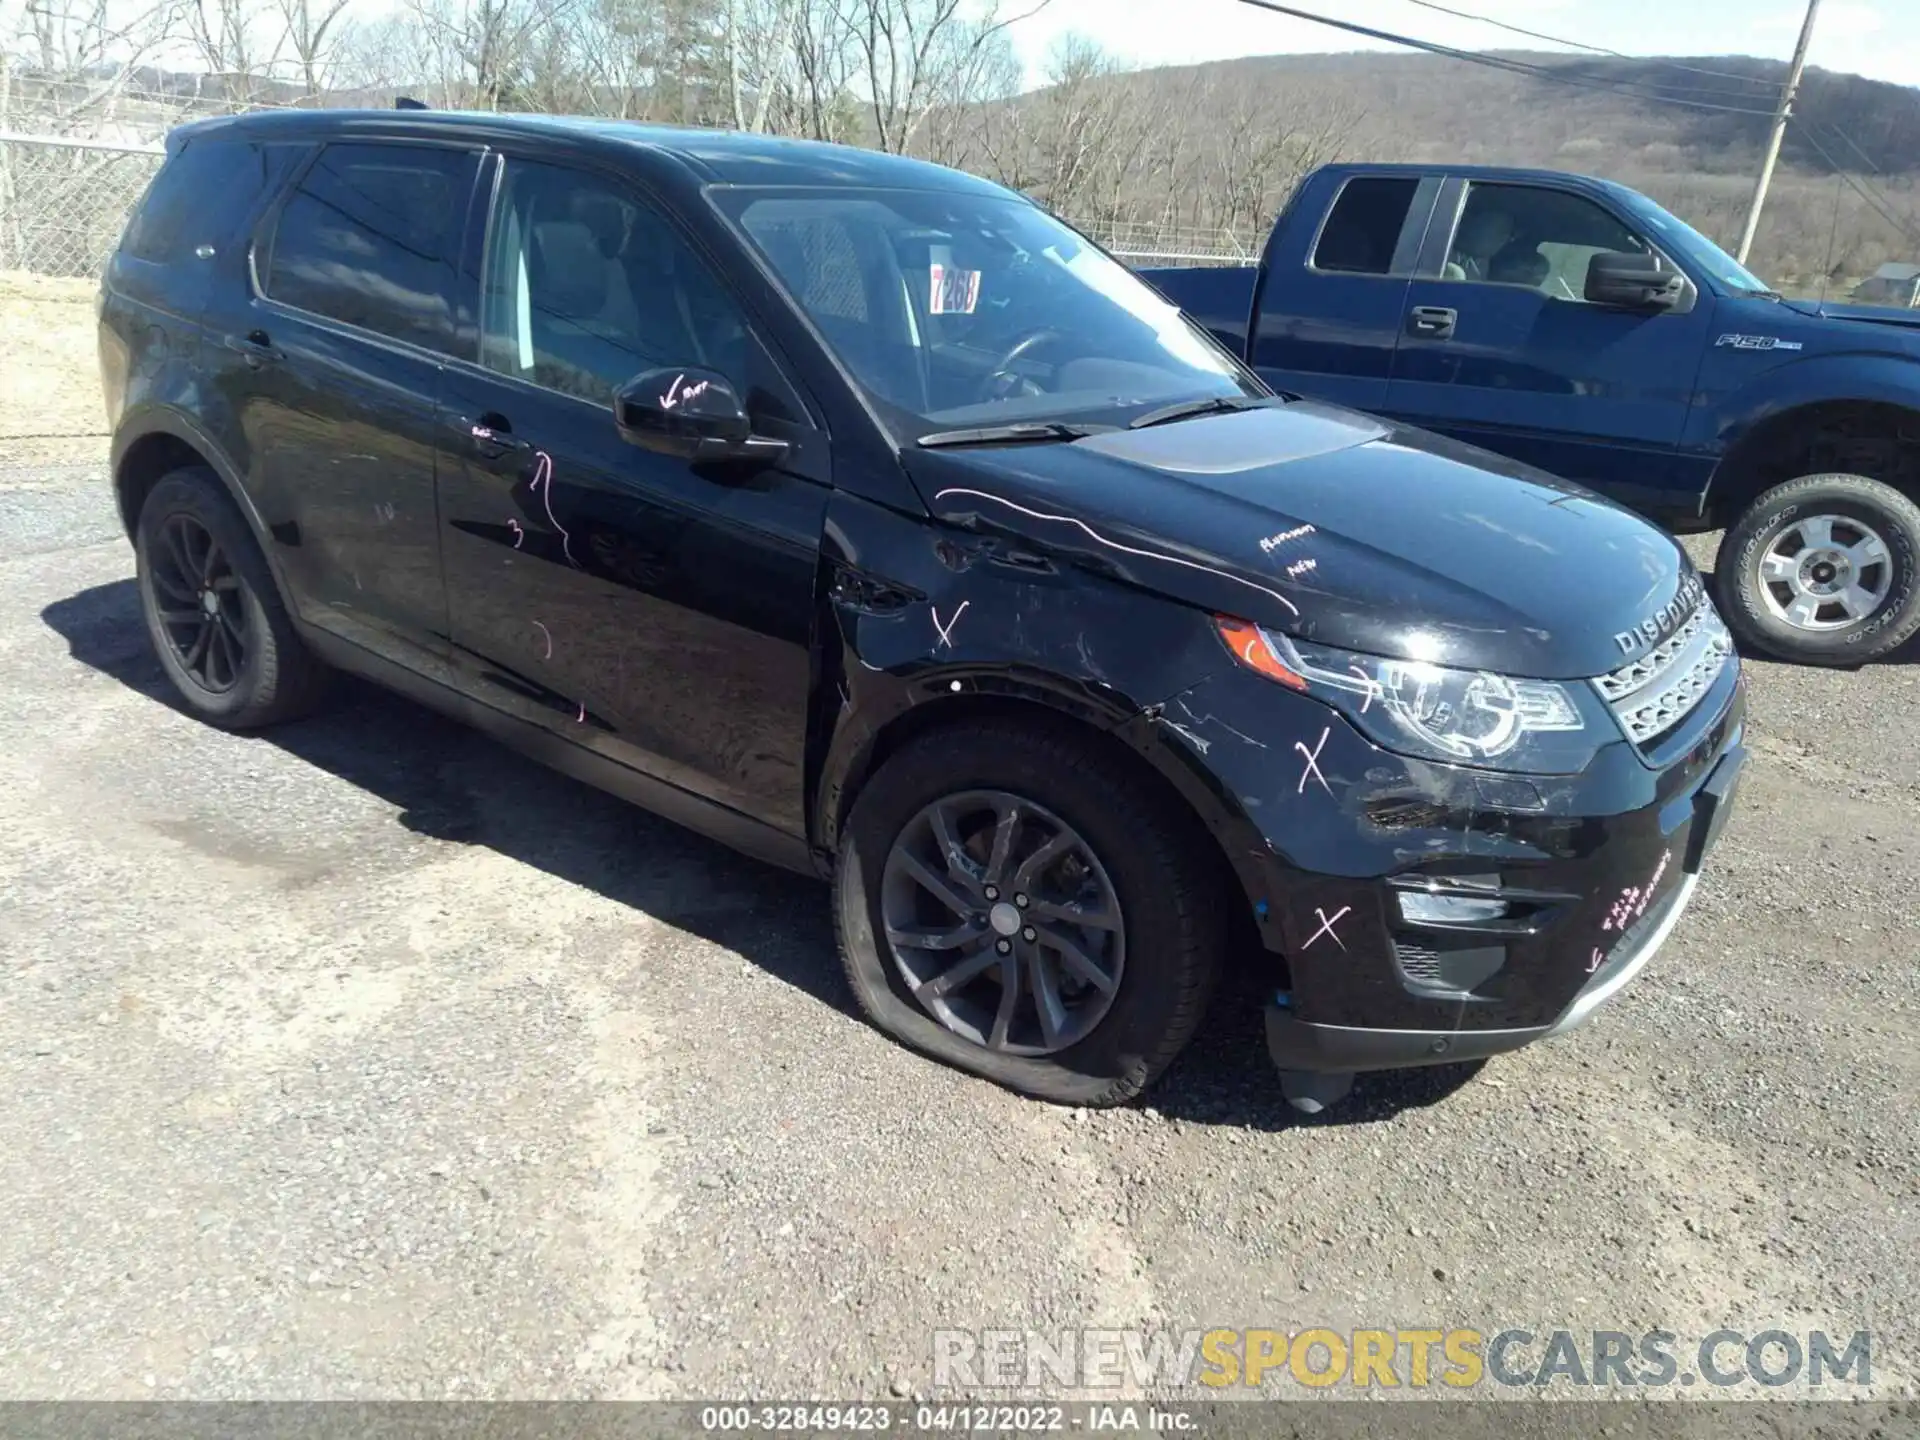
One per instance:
[(1758, 342)]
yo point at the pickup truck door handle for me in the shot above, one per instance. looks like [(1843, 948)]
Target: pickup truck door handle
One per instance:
[(1432, 322)]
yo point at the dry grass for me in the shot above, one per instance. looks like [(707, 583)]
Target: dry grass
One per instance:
[(50, 405)]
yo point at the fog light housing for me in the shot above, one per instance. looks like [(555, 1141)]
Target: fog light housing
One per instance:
[(1429, 907)]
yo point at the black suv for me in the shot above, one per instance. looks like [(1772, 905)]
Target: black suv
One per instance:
[(860, 514)]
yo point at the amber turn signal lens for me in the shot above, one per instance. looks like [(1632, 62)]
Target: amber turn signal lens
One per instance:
[(1251, 648)]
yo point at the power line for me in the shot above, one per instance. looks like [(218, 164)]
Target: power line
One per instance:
[(1853, 183), (1591, 49), (1837, 133), (1502, 62)]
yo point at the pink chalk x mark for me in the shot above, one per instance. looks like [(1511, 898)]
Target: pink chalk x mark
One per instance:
[(518, 533), (1312, 767), (946, 630), (1326, 927), (542, 485), (676, 396), (546, 637)]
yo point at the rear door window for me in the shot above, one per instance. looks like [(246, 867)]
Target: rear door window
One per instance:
[(370, 237), (1363, 231)]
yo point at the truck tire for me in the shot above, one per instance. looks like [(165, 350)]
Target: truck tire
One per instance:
[(1016, 903), (1823, 570), (213, 612)]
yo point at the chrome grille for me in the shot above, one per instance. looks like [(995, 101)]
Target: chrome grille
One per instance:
[(1656, 692)]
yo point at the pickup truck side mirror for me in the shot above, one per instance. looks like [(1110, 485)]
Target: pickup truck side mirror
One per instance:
[(1633, 281), (691, 413)]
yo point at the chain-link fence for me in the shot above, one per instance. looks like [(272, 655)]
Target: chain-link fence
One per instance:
[(64, 202), (1141, 242)]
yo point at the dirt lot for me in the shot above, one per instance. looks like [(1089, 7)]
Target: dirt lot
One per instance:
[(50, 408), (364, 1059)]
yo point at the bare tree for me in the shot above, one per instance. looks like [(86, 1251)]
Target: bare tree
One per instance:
[(314, 32), (916, 54)]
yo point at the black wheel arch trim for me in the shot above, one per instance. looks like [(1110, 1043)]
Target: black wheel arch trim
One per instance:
[(143, 424), (931, 699)]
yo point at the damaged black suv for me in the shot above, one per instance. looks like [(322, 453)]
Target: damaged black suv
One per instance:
[(858, 513)]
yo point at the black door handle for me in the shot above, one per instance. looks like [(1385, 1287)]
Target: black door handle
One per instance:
[(490, 434), (1433, 322), (256, 348)]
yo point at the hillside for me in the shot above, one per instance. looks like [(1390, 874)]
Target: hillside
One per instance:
[(1217, 146)]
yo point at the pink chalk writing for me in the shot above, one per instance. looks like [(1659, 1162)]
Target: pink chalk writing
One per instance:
[(542, 485), (1633, 901), (1274, 542), (1596, 962), (1301, 567), (1311, 770), (544, 635), (946, 631), (581, 718), (676, 396), (518, 533), (1326, 927), (1372, 687)]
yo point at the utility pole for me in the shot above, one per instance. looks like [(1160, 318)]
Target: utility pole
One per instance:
[(1779, 130)]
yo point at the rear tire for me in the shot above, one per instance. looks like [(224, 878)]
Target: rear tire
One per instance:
[(213, 612), (1823, 570), (1121, 852)]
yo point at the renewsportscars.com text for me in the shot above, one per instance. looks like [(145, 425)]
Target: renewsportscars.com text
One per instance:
[(1413, 1359)]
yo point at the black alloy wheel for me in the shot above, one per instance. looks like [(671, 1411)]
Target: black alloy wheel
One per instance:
[(199, 606), (1003, 922)]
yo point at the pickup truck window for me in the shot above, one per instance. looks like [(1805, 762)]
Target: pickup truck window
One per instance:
[(1365, 224), (586, 287), (953, 310), (1533, 236)]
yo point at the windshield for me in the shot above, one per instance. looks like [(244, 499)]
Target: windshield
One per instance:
[(955, 310), (1698, 248)]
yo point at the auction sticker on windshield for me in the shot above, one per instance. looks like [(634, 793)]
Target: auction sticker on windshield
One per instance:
[(953, 291)]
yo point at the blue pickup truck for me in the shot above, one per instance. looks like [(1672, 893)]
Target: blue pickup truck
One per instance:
[(1573, 324)]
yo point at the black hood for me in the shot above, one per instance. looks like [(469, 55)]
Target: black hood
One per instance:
[(1337, 528)]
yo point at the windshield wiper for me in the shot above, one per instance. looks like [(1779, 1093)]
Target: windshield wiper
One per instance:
[(1187, 409), (1761, 292), (1007, 434)]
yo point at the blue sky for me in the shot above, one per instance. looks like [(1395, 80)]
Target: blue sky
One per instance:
[(1861, 36)]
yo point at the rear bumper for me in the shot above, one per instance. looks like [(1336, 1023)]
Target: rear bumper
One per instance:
[(1297, 1044)]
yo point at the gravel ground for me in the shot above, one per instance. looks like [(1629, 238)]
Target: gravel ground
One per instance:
[(365, 1059)]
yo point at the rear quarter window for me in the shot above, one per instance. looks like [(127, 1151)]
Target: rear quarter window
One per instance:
[(200, 195), (370, 237)]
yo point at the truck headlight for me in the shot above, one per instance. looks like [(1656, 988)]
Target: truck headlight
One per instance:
[(1434, 712)]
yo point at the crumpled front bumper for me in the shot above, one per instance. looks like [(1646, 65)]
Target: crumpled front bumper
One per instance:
[(1590, 872)]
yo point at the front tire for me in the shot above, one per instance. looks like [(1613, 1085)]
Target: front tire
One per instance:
[(1823, 570), (1020, 904), (213, 612)]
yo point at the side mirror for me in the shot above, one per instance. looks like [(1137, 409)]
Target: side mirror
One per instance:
[(690, 413), (1633, 281)]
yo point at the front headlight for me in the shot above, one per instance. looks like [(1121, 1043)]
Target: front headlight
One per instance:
[(1461, 717)]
